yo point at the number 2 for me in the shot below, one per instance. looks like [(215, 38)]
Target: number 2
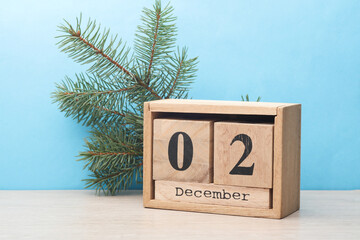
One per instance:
[(237, 170)]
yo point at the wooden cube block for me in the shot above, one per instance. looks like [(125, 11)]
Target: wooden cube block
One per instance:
[(243, 154), (183, 150), (204, 193)]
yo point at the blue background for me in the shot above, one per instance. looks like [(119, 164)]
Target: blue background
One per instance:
[(304, 52)]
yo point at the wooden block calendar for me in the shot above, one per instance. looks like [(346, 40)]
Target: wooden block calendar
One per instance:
[(237, 158)]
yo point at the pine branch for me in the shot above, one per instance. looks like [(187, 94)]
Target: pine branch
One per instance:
[(158, 13), (110, 111), (147, 87), (184, 71), (247, 99), (108, 57), (96, 92), (112, 146), (99, 51), (111, 182), (108, 153), (155, 38), (110, 97), (143, 92), (91, 99), (113, 156)]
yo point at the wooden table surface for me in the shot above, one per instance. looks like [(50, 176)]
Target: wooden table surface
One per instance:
[(84, 215)]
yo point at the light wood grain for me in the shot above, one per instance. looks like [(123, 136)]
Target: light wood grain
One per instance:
[(212, 194), (227, 156), (201, 137), (147, 153), (59, 215), (287, 141), (211, 106)]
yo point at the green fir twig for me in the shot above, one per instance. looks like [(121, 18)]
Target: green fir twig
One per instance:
[(109, 97)]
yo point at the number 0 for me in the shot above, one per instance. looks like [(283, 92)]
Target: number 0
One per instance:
[(173, 151)]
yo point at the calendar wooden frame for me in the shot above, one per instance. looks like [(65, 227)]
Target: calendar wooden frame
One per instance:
[(286, 161)]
